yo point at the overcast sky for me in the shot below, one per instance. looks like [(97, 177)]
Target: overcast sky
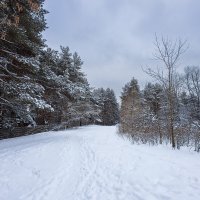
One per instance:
[(115, 37)]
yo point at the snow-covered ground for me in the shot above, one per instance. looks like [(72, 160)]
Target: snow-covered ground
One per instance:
[(94, 163)]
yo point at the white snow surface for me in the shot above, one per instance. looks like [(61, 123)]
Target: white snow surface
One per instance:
[(94, 163)]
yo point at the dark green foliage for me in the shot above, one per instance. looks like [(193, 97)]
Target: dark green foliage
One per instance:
[(38, 86), (20, 47), (108, 107)]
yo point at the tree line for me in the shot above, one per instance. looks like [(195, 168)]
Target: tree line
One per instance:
[(168, 110), (39, 85)]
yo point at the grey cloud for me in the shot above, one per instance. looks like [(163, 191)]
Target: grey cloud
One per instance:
[(115, 38)]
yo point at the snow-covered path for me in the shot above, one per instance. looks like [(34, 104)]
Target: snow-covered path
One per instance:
[(93, 163)]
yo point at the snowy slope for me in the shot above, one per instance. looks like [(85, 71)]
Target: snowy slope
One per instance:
[(93, 163)]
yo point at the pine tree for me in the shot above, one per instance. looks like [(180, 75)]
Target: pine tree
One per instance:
[(130, 117), (152, 109), (107, 106), (98, 98), (21, 25), (191, 102), (110, 110)]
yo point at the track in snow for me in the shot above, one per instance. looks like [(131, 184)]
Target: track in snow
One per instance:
[(93, 163)]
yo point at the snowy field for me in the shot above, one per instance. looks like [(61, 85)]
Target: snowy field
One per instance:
[(94, 163)]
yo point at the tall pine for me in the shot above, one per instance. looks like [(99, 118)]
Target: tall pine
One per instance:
[(20, 45)]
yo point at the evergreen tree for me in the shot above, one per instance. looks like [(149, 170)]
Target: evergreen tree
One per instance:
[(130, 118), (98, 97), (21, 43), (153, 109), (108, 107), (110, 110)]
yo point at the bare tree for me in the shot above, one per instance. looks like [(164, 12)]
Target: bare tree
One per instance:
[(192, 82), (169, 53)]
